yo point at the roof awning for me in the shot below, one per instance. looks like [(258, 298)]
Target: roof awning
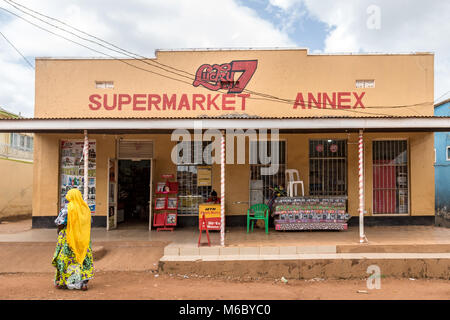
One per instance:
[(142, 125)]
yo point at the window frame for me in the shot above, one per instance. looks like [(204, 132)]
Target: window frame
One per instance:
[(104, 84), (313, 192), (364, 83), (251, 166)]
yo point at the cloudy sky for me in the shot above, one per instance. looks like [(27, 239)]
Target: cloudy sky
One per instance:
[(141, 26)]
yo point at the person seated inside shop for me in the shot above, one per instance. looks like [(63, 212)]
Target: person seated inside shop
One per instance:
[(213, 198)]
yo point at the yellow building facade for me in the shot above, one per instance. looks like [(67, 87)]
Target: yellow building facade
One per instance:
[(237, 85), (16, 170)]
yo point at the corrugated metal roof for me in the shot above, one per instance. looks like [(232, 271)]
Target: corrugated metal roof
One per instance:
[(285, 124)]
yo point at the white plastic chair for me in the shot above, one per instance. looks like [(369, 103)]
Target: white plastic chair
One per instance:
[(292, 180)]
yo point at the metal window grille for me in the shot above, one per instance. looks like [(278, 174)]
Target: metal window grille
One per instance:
[(328, 167), (261, 186), (104, 84), (390, 177), (365, 83), (190, 195)]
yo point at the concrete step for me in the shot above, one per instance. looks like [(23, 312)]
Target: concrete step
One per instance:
[(309, 266), (394, 248), (194, 250)]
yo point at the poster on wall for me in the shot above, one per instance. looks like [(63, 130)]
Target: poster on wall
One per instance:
[(72, 170), (203, 176)]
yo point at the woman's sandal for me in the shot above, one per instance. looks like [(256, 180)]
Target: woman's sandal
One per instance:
[(58, 286), (84, 287)]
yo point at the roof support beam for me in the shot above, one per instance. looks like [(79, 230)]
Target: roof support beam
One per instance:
[(429, 124)]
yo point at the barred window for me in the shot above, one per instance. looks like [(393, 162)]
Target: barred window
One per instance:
[(328, 167), (262, 185), (390, 177)]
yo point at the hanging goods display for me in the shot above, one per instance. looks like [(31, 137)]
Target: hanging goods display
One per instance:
[(72, 171), (166, 204)]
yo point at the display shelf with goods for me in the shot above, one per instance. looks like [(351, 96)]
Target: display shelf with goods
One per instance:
[(166, 204), (72, 170), (194, 187), (311, 213)]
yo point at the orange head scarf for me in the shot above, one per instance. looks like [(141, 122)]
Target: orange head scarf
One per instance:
[(78, 224)]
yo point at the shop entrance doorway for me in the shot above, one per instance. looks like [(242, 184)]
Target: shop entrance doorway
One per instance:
[(129, 185), (133, 203)]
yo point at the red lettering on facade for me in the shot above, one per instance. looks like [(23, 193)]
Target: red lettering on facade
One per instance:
[(358, 99), (153, 100), (248, 68), (212, 102), (92, 99), (339, 100), (105, 102), (342, 100), (137, 101), (198, 99), (184, 102), (229, 101), (299, 101), (317, 102), (243, 97), (216, 77), (168, 103), (329, 102), (124, 99), (225, 102)]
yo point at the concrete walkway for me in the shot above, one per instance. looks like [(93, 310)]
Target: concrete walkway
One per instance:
[(415, 251), (237, 236)]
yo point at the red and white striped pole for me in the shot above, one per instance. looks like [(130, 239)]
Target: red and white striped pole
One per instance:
[(222, 189), (362, 237)]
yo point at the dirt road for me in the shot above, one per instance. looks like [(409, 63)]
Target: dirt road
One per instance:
[(150, 285), (26, 273)]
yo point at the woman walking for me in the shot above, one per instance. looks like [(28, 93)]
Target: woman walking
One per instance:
[(73, 255)]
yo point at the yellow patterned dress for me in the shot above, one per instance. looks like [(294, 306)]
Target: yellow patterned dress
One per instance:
[(70, 273)]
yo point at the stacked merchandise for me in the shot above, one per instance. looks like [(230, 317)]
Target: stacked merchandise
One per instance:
[(72, 170), (166, 204), (311, 213)]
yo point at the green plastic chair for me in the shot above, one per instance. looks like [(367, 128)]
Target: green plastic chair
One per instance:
[(258, 211)]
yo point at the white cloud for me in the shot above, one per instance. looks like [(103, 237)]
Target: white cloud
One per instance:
[(139, 26), (405, 26), (145, 25), (283, 4)]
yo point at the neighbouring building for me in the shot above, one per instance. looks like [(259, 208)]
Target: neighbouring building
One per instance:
[(321, 103), (442, 167), (16, 170)]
